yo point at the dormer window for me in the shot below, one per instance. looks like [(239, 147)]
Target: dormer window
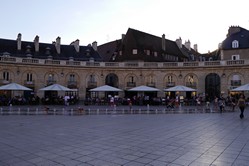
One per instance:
[(134, 51), (235, 57), (155, 54), (235, 44)]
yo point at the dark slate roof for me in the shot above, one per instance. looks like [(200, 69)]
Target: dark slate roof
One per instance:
[(242, 37), (67, 51), (214, 55), (141, 41), (188, 53), (107, 50)]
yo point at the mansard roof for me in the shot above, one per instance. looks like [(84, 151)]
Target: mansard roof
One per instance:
[(45, 50), (142, 41), (239, 34)]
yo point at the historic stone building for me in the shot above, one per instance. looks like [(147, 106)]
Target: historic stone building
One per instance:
[(136, 59)]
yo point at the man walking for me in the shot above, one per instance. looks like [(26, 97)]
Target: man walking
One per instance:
[(242, 105)]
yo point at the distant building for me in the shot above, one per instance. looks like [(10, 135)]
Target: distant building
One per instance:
[(55, 50), (138, 58), (140, 46)]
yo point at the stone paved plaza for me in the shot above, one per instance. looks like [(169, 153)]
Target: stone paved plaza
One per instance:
[(125, 139)]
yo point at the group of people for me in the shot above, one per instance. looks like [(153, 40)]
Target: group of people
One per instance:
[(241, 103)]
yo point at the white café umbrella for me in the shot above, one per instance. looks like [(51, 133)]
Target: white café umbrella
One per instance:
[(180, 88), (14, 87), (241, 88), (144, 88), (105, 88), (55, 87)]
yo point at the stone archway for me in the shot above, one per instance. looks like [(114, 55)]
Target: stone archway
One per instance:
[(112, 80), (212, 85)]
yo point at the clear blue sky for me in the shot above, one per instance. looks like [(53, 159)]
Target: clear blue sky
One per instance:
[(202, 22)]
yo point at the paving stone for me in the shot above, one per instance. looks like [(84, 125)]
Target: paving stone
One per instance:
[(162, 139)]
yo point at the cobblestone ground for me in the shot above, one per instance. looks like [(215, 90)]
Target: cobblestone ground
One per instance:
[(125, 139)]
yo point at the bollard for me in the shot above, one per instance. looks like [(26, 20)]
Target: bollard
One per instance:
[(89, 111), (97, 111), (63, 111), (10, 109), (1, 111), (54, 111), (123, 111), (105, 111), (71, 111), (19, 111), (156, 111), (28, 111), (164, 111), (139, 111), (36, 111), (148, 108)]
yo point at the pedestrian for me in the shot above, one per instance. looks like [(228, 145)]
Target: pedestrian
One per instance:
[(242, 105), (221, 104)]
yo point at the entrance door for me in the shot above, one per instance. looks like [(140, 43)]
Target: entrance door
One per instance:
[(212, 85)]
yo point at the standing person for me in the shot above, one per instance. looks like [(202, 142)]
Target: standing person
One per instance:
[(221, 104), (242, 105)]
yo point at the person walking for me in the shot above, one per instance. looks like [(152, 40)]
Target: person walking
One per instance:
[(242, 105), (221, 104)]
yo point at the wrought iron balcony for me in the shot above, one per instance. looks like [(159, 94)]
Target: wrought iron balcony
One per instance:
[(191, 84), (235, 82), (50, 82), (151, 84), (131, 84), (4, 81), (170, 84), (91, 84), (29, 83), (72, 84)]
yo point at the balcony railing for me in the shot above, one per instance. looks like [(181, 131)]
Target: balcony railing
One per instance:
[(235, 82), (241, 62), (50, 82), (3, 81), (191, 84), (29, 83), (151, 84), (170, 84), (131, 84), (91, 84)]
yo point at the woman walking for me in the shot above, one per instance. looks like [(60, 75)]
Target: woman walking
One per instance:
[(242, 105)]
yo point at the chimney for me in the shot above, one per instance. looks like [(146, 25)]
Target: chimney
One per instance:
[(36, 42), (163, 42), (19, 41), (76, 45), (179, 42), (233, 30), (188, 45), (94, 45), (123, 36), (58, 45), (195, 47)]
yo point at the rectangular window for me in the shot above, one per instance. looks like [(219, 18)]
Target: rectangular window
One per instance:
[(6, 76), (29, 77), (71, 77), (134, 51)]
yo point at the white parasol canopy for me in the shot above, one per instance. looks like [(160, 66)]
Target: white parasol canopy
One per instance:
[(241, 88), (14, 87), (105, 88), (55, 87), (180, 88), (144, 88)]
